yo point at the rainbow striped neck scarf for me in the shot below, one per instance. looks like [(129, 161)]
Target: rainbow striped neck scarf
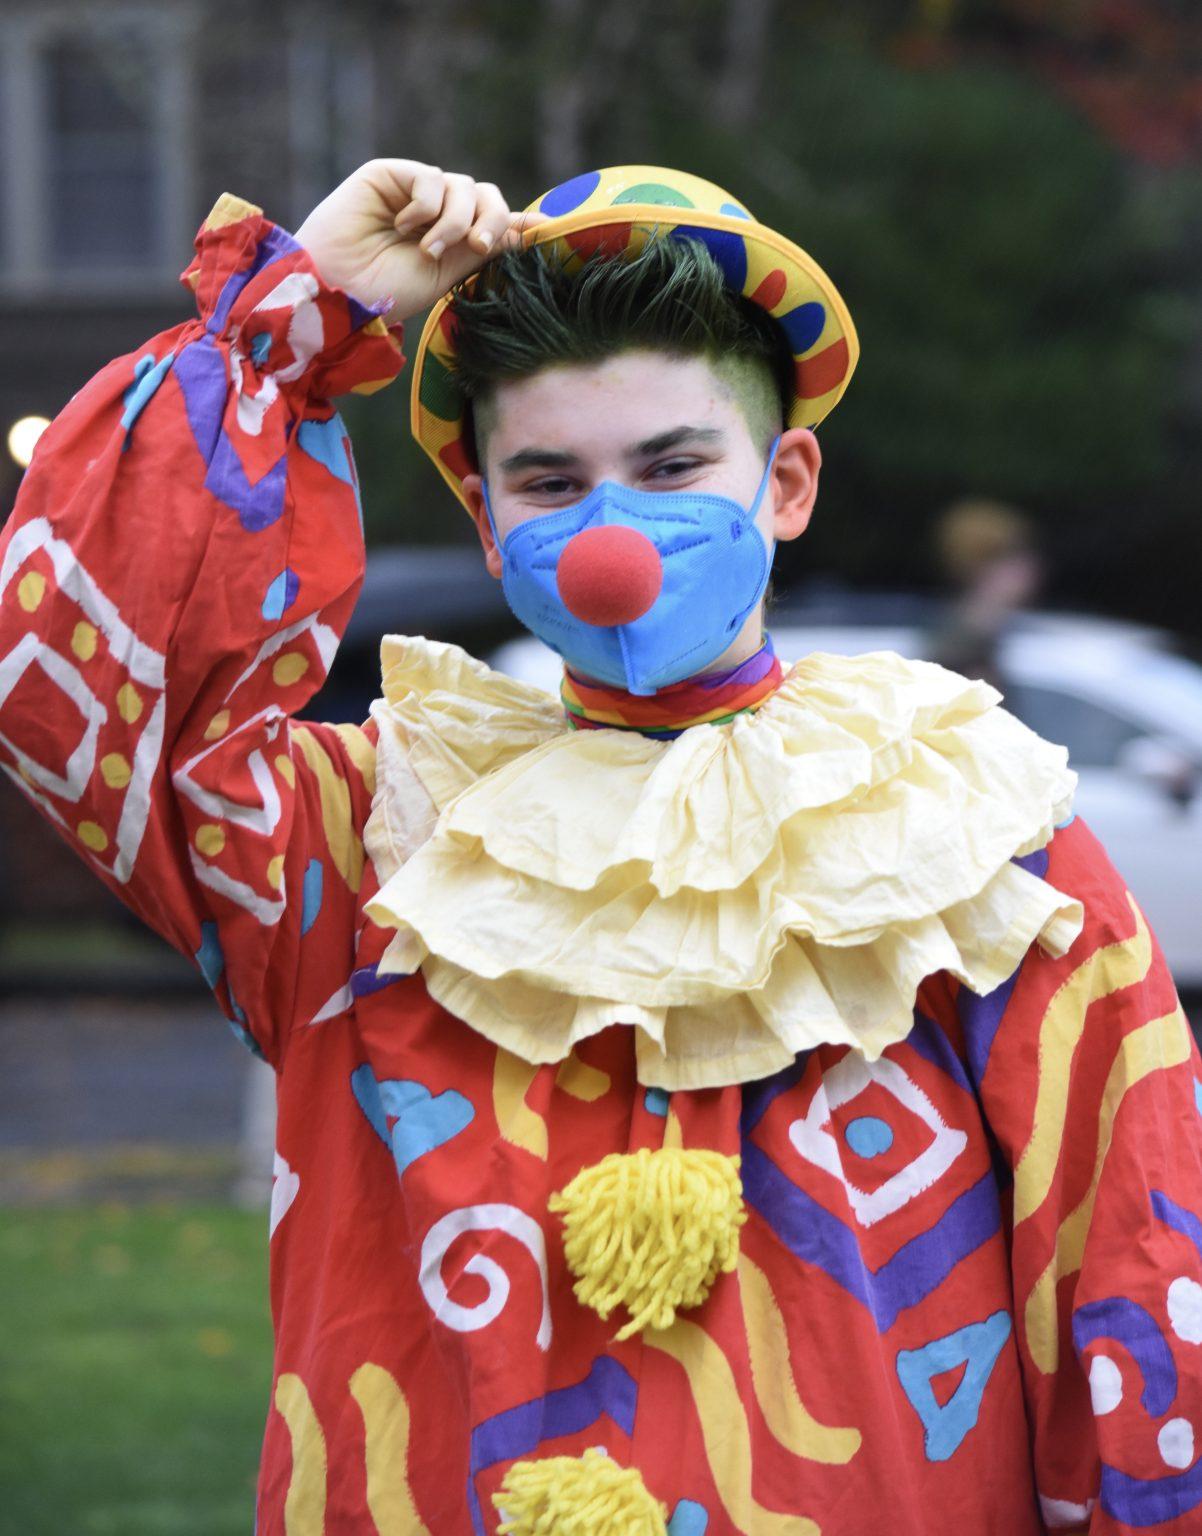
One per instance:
[(710, 699)]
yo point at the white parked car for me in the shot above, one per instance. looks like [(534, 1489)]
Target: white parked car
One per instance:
[(1127, 708)]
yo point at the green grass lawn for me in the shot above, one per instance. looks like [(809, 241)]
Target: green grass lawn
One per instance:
[(135, 1366)]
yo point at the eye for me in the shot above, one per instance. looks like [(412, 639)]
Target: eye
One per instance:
[(673, 467), (553, 485)]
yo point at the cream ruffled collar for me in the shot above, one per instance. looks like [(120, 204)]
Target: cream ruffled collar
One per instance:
[(736, 895)]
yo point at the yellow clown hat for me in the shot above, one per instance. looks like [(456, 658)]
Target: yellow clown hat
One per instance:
[(617, 210)]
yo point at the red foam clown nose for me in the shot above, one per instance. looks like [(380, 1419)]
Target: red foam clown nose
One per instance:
[(609, 575)]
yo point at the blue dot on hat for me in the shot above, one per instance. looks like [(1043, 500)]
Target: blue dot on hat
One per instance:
[(803, 326), (570, 194), (734, 210), (727, 249)]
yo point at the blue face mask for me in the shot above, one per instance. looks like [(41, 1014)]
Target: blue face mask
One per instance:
[(715, 568)]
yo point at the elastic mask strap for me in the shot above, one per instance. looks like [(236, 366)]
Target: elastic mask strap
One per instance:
[(759, 495), (491, 520)]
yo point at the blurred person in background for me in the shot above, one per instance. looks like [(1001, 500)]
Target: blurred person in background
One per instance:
[(987, 554), (790, 1015)]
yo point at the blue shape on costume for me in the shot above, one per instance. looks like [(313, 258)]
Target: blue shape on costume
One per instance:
[(209, 956), (311, 894), (869, 1136), (260, 348), (422, 1121), (688, 1519), (734, 210), (200, 371), (1066, 823), (367, 979), (757, 1096), (1034, 863), (281, 594), (727, 249), (1120, 1318), (803, 326), (273, 245), (977, 1348), (1140, 1501), (1176, 1216), (655, 1101), (244, 1036), (608, 1389), (570, 194), (1198, 1096), (328, 443), (819, 1237), (148, 375), (980, 1019)]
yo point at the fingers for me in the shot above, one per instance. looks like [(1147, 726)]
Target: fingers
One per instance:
[(426, 192), (453, 209), (519, 223)]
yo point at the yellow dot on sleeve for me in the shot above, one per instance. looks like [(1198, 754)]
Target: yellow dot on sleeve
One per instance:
[(210, 839), (275, 872), (218, 725), (30, 590), (83, 640), (92, 836), (129, 703), (289, 669), (283, 766), (115, 770)]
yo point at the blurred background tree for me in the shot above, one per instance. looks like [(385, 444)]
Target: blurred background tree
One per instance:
[(1018, 252)]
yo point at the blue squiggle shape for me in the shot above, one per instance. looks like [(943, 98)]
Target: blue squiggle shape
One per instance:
[(1177, 1217), (1143, 1501), (1124, 1320), (608, 1388)]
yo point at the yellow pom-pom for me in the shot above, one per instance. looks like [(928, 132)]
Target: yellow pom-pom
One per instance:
[(651, 1229), (587, 1495)]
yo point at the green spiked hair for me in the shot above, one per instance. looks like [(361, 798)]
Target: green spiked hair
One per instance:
[(526, 312)]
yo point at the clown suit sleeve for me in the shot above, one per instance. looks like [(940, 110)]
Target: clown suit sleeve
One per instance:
[(1089, 1078), (184, 553)]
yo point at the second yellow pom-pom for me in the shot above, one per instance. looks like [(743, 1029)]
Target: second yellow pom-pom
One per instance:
[(588, 1495)]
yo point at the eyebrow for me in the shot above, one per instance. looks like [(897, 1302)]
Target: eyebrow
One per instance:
[(675, 437)]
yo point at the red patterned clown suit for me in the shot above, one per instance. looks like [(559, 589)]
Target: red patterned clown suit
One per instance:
[(963, 1290)]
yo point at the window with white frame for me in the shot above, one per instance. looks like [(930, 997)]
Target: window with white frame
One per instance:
[(95, 164)]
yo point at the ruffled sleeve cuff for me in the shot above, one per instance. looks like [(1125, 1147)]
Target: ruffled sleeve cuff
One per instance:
[(287, 329)]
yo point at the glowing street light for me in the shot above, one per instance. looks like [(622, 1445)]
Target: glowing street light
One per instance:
[(23, 437)]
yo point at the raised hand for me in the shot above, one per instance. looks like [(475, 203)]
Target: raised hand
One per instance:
[(403, 230)]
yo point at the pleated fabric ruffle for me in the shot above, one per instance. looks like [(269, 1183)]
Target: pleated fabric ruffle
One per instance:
[(737, 895)]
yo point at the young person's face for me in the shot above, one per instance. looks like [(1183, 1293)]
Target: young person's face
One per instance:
[(647, 420)]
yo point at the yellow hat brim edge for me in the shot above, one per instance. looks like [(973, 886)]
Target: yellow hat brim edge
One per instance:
[(642, 213)]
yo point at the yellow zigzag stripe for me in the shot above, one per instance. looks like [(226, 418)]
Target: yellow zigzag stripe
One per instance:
[(775, 1388), (511, 1080), (724, 1429), (1162, 1043), (1107, 970), (346, 849), (386, 1430), (518, 1123), (580, 1080), (361, 752), (305, 1504)]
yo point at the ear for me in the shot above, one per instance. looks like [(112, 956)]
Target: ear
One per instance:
[(794, 484), (473, 494)]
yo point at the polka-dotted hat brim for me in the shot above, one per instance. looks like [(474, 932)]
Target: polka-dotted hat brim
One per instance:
[(757, 262)]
